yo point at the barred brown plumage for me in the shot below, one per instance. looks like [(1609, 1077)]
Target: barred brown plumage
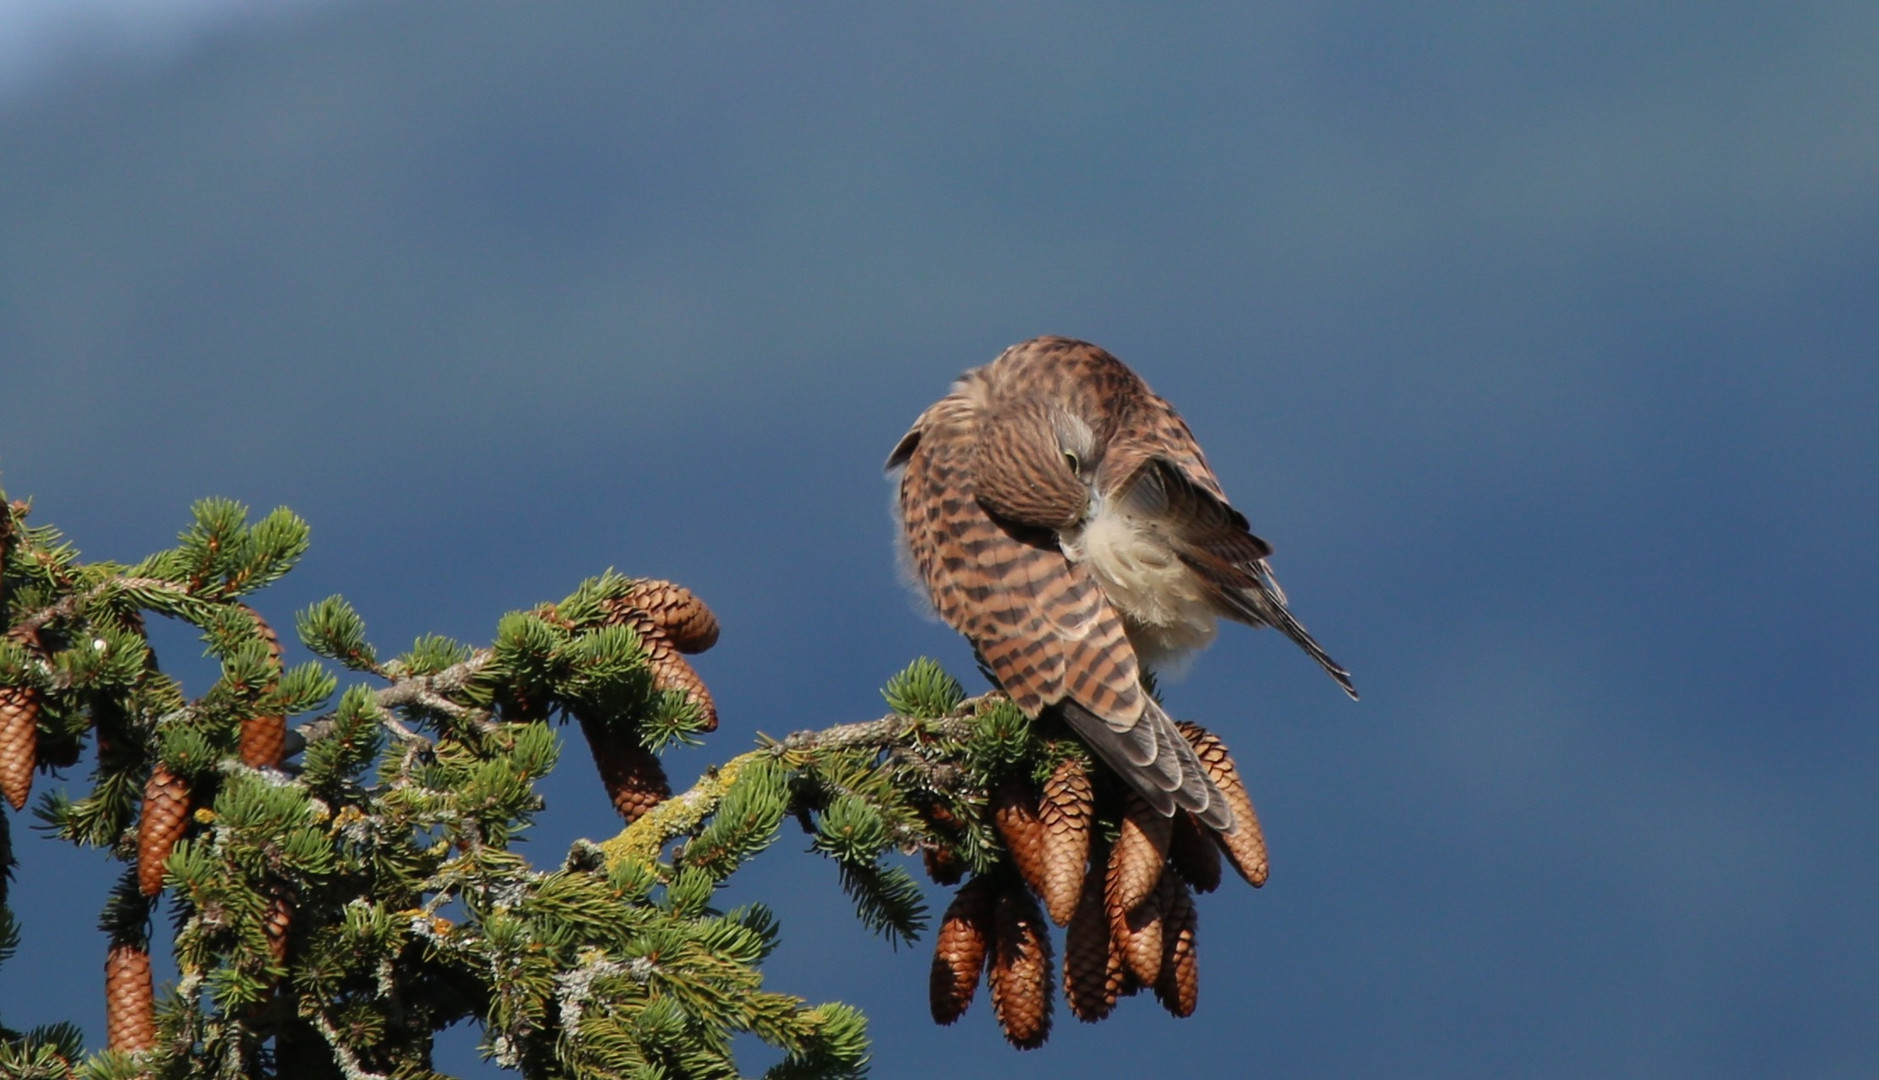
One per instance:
[(1065, 809), (1245, 846), (1061, 516), (1020, 974), (165, 813), (960, 948), (129, 999)]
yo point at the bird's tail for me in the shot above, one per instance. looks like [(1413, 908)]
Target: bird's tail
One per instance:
[(1155, 759), (1262, 602), (1293, 629)]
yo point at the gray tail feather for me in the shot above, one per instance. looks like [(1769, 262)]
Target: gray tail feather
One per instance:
[(1171, 779), (1291, 628), (1263, 603)]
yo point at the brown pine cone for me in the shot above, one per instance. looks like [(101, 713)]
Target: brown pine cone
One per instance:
[(1141, 850), (1177, 985), (264, 738), (277, 921), (632, 775), (1137, 938), (129, 999), (1245, 846), (1021, 970), (1193, 853), (19, 741), (943, 865), (671, 672), (1092, 968), (1137, 935), (1014, 811), (959, 950), (670, 620), (677, 612), (165, 813), (1065, 811)]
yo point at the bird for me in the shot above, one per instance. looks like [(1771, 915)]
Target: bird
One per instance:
[(1061, 516)]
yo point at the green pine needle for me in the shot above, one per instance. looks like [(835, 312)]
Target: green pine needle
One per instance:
[(924, 691)]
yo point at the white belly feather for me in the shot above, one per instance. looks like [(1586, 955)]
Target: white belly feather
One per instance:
[(1163, 603)]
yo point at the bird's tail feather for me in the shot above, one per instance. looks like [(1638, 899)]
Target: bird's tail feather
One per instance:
[(1261, 602), (1172, 778)]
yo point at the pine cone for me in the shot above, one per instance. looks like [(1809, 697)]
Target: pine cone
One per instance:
[(1065, 811), (277, 921), (943, 864), (670, 620), (634, 779), (1137, 935), (1021, 970), (1092, 969), (1193, 853), (1014, 811), (959, 950), (19, 741), (165, 812), (1245, 846), (677, 612), (1177, 985), (264, 738), (1141, 850), (129, 999)]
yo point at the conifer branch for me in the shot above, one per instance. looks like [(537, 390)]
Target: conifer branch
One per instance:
[(68, 606), (684, 812)]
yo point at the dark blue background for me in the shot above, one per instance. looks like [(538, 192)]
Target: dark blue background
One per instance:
[(1538, 338)]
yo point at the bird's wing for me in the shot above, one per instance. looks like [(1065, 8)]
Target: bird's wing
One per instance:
[(1040, 622), (1155, 471)]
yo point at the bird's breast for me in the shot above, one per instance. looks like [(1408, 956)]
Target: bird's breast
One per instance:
[(1163, 603)]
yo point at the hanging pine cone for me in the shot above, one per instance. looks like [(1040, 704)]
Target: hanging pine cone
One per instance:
[(1140, 853), (1177, 984), (277, 921), (19, 739), (1021, 970), (264, 738), (1092, 967), (1137, 934), (670, 620), (632, 775), (1064, 810), (960, 948), (129, 999), (1245, 846), (165, 813), (943, 864), (1014, 811), (1192, 851)]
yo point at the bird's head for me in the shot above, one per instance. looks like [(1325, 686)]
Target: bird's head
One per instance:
[(1035, 462)]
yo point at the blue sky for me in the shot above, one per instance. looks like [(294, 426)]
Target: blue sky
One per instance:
[(1539, 340)]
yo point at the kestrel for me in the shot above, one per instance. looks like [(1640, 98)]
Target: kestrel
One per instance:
[(1062, 518)]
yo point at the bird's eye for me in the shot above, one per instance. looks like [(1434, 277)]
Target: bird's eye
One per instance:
[(1070, 459)]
